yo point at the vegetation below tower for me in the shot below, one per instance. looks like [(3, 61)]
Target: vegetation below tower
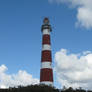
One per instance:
[(41, 88)]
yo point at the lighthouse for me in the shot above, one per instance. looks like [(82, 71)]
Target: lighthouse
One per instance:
[(46, 71)]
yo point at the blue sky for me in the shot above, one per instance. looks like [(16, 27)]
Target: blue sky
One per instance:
[(20, 33)]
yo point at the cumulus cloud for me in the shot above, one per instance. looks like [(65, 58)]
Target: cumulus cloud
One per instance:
[(21, 78), (84, 11), (74, 70)]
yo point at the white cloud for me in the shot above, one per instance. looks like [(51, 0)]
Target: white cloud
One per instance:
[(21, 78), (74, 69), (84, 11)]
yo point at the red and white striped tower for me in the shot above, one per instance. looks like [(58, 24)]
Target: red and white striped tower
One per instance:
[(46, 72)]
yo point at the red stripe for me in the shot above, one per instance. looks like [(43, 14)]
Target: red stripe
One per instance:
[(46, 56), (46, 75), (46, 39)]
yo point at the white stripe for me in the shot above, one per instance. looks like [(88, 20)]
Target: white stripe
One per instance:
[(46, 47), (46, 65), (46, 31), (47, 83)]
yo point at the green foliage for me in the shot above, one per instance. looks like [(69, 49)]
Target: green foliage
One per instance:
[(70, 89), (41, 88), (32, 88)]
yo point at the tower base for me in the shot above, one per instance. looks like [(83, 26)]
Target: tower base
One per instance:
[(47, 83)]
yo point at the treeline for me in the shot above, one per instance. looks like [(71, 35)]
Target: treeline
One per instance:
[(41, 88), (32, 88), (75, 90)]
